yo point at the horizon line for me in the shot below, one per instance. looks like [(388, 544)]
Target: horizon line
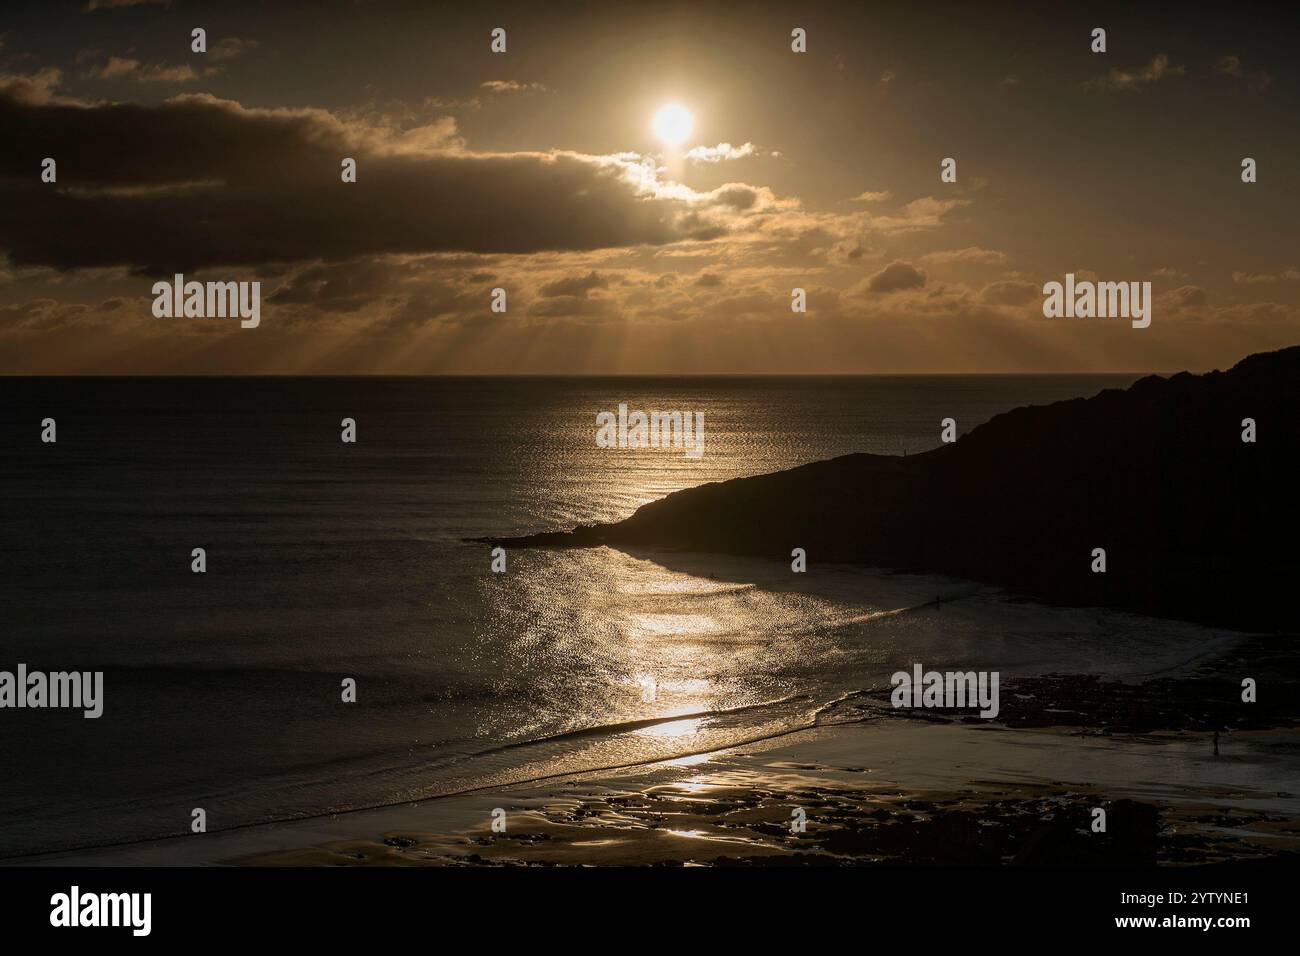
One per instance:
[(580, 375)]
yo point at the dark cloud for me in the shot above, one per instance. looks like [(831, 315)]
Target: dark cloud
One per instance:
[(736, 196), (696, 225), (198, 181), (338, 287), (577, 286), (896, 276)]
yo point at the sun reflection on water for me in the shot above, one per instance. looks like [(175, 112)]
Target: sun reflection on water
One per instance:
[(668, 625), (676, 728)]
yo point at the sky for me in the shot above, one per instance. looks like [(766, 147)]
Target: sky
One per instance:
[(538, 171)]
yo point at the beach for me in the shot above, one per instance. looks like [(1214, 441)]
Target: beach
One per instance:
[(873, 784)]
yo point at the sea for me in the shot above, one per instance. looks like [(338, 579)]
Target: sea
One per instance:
[(332, 564)]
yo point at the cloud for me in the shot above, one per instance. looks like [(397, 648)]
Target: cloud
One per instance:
[(161, 73), (512, 86), (577, 286), (1009, 293), (119, 67), (1265, 278), (1230, 66), (882, 196), (338, 287), (32, 89), (42, 313), (229, 48), (895, 277), (925, 213), (736, 196), (491, 90), (1185, 296), (1118, 80), (568, 297), (198, 181), (383, 296), (971, 255), (720, 153)]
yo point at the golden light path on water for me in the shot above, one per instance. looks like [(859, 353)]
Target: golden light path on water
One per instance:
[(653, 656), (630, 657), (643, 658)]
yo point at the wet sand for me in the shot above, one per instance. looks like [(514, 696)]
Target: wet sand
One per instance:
[(876, 785), (1186, 772), (926, 794)]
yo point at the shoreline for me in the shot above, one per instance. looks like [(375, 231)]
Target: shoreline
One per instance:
[(897, 790)]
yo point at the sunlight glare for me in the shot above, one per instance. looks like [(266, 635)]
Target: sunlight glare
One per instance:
[(673, 124)]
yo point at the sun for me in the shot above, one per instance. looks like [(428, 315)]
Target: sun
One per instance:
[(673, 124)]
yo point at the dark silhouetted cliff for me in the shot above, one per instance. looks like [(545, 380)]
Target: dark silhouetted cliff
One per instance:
[(1196, 523)]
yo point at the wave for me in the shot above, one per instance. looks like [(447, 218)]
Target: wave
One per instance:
[(626, 726), (814, 720)]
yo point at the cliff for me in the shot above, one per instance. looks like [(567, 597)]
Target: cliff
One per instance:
[(1196, 523)]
